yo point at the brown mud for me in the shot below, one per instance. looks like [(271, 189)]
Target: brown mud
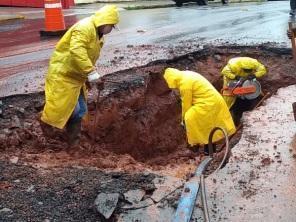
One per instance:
[(138, 119)]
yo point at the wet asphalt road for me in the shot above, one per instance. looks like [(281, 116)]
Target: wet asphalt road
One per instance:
[(24, 57), (241, 23)]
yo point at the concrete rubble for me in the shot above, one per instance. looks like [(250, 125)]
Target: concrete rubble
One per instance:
[(106, 203)]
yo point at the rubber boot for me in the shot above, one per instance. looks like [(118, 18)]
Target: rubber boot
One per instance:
[(73, 130), (50, 132), (47, 130), (195, 148)]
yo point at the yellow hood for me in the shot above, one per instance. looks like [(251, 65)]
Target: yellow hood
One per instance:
[(108, 15), (247, 63), (173, 77)]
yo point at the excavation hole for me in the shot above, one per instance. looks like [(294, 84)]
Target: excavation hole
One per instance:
[(138, 119)]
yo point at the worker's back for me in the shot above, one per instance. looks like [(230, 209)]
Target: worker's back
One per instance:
[(203, 92)]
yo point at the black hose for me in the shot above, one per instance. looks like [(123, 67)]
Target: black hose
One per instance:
[(226, 145)]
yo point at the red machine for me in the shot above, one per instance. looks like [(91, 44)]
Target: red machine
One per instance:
[(246, 89)]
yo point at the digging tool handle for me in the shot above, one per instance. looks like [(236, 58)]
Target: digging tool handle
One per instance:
[(292, 27), (294, 110), (94, 126), (100, 85)]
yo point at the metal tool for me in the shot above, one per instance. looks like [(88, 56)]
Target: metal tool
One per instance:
[(292, 27), (93, 126), (256, 89), (294, 110), (245, 89)]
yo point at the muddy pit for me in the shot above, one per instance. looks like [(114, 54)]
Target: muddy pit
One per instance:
[(138, 120)]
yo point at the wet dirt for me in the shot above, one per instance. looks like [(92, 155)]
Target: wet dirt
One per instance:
[(293, 144), (138, 119)]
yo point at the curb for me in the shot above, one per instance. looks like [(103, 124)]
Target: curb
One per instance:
[(173, 4), (4, 18), (136, 5)]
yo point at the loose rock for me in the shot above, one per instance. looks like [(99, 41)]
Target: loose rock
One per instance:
[(31, 189), (14, 160), (134, 196), (15, 122), (106, 204), (6, 210), (165, 186)]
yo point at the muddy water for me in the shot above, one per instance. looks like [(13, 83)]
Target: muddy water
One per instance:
[(138, 119)]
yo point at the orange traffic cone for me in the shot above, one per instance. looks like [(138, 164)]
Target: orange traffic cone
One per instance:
[(54, 19)]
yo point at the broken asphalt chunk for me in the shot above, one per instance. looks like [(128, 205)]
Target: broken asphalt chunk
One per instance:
[(6, 210), (134, 196), (145, 203), (165, 186), (106, 203), (15, 122)]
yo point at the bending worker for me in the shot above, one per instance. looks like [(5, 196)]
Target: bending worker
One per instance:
[(203, 107), (240, 69), (237, 68), (71, 66)]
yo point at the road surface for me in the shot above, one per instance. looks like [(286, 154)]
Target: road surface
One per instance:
[(144, 36)]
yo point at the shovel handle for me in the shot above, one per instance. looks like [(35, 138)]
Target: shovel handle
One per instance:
[(94, 126), (292, 29)]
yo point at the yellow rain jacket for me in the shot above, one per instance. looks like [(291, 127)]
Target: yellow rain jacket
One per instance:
[(235, 68), (203, 107), (73, 59)]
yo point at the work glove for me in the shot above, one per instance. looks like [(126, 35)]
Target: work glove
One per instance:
[(94, 80), (183, 125), (232, 84), (94, 76)]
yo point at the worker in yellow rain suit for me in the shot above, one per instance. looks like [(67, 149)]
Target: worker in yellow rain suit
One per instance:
[(237, 69), (71, 66), (203, 107)]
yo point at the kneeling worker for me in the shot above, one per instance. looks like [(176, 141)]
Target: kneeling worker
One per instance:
[(240, 75)]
